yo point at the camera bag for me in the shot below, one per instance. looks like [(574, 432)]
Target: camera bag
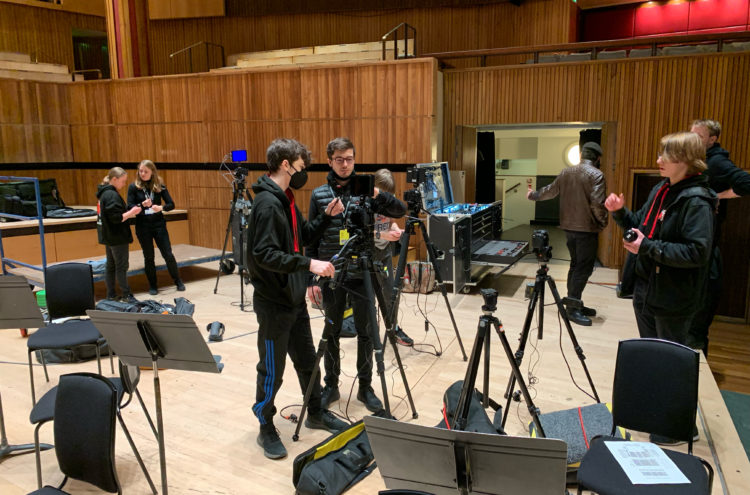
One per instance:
[(334, 465), (478, 420), (419, 277)]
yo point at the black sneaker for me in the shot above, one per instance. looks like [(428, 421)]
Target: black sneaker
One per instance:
[(579, 318), (588, 311), (367, 396), (671, 442), (268, 438), (403, 339), (153, 291), (328, 395), (325, 420), (180, 285)]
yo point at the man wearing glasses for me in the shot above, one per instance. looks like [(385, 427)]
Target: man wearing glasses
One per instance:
[(341, 153)]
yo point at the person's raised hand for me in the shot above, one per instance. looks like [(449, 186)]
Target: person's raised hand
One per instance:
[(322, 268), (614, 202)]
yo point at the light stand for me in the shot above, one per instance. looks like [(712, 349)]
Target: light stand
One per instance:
[(241, 204)]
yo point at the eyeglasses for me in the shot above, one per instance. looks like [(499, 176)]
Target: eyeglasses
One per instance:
[(339, 160)]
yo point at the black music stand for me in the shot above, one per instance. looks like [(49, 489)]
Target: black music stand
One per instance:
[(159, 341), (460, 462), (18, 309)]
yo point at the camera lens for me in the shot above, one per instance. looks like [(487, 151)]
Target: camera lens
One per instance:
[(630, 235)]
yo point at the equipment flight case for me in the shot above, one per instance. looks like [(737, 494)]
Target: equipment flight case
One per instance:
[(469, 234)]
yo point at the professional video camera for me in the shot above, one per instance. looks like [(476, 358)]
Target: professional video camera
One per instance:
[(540, 245), (358, 216)]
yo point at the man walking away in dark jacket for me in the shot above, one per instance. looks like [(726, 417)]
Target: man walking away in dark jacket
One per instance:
[(582, 192), (278, 272), (340, 153), (728, 182)]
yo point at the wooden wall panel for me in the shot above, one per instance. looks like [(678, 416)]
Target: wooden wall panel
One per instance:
[(438, 29), (644, 99), (46, 35)]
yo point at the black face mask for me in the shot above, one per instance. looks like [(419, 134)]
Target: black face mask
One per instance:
[(298, 178)]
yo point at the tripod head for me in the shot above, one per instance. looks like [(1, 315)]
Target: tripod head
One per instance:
[(490, 300)]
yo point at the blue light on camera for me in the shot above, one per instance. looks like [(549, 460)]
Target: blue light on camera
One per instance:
[(239, 155)]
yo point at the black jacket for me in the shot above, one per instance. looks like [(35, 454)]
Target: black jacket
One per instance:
[(722, 175), (277, 273), (111, 229), (674, 260), (136, 196), (328, 244)]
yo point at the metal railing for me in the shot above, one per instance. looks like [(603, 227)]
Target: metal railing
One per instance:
[(189, 51), (407, 29)]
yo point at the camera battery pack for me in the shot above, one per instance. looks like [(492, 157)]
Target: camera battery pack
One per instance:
[(529, 290)]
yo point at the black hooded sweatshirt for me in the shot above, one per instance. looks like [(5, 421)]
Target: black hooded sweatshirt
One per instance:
[(278, 269), (110, 209), (678, 222)]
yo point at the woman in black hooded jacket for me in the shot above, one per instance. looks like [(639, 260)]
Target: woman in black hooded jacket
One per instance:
[(674, 237)]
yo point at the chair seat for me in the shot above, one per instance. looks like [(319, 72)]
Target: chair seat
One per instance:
[(64, 335), (601, 473), (44, 409), (48, 490)]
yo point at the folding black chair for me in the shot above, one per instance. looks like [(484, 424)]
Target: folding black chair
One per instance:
[(655, 391), (126, 387), (85, 410), (70, 292)]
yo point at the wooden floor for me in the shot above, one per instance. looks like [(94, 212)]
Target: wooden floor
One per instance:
[(211, 432)]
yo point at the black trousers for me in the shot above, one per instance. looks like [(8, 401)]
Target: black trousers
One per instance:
[(148, 233), (653, 325), (334, 304), (117, 270), (582, 247), (282, 331)]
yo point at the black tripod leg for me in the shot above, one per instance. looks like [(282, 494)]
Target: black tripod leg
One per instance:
[(518, 357), (389, 333), (235, 195), (464, 400), (519, 378), (322, 346), (432, 254), (579, 351), (398, 280), (486, 383), (366, 267)]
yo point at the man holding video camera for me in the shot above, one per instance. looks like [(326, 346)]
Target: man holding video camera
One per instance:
[(278, 272), (582, 191), (341, 154)]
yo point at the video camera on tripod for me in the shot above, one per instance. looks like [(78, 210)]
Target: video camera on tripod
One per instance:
[(540, 245)]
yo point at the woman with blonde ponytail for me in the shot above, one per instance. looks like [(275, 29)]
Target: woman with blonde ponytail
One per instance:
[(114, 231)]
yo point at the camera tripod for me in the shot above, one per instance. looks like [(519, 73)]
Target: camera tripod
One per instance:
[(542, 277), (482, 341), (241, 204), (372, 290), (432, 254)]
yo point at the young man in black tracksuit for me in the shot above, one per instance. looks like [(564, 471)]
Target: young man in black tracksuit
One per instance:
[(728, 182), (278, 272), (340, 153)]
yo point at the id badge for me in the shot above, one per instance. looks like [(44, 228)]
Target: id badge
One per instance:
[(343, 236)]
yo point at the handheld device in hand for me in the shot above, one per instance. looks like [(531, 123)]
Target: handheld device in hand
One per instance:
[(630, 235)]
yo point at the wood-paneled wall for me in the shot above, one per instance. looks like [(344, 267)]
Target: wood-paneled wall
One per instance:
[(644, 99), (386, 108), (438, 29), (46, 35)]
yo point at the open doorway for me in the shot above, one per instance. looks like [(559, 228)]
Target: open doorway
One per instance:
[(511, 157), (90, 54)]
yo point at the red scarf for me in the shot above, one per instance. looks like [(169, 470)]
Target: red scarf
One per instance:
[(660, 195), (290, 196)]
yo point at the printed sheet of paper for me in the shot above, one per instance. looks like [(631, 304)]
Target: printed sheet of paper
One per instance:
[(646, 464)]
